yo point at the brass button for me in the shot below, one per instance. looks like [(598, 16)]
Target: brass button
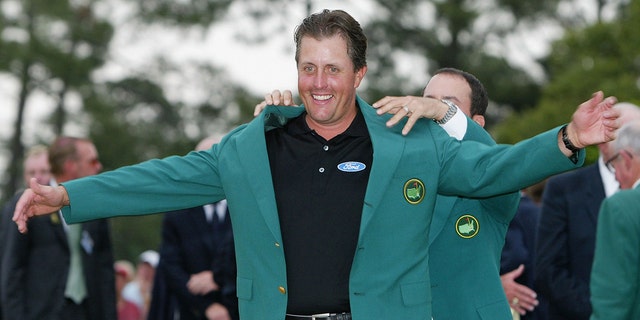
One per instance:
[(277, 244), (282, 290)]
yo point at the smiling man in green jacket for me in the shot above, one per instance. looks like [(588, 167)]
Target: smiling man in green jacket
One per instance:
[(318, 196)]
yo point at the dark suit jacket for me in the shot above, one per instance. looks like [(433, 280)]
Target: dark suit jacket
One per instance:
[(5, 222), (566, 241), (519, 246), (35, 267), (189, 245)]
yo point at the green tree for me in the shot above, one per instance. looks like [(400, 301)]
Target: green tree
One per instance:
[(54, 48), (48, 47), (461, 34), (585, 60), (131, 120), (186, 13)]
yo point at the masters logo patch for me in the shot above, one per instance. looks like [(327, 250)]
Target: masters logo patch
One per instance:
[(467, 226), (414, 191)]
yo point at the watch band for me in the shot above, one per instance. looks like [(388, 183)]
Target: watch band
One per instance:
[(569, 145), (450, 112), (565, 139)]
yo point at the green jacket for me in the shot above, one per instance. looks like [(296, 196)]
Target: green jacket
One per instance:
[(615, 276), (466, 240), (389, 275)]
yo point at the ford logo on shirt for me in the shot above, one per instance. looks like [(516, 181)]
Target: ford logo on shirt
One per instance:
[(351, 166)]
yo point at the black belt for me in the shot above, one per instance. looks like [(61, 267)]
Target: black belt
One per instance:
[(320, 316)]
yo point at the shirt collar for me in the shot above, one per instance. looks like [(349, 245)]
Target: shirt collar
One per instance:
[(358, 127), (609, 181)]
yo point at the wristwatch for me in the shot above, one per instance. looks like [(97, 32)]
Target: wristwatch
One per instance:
[(450, 112), (565, 140), (569, 145)]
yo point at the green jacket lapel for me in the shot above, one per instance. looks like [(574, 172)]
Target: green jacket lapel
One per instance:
[(384, 163), (255, 160)]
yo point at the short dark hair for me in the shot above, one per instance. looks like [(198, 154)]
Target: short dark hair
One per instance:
[(328, 23), (479, 96), (61, 150)]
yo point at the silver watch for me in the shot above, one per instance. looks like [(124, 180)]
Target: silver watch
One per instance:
[(450, 112)]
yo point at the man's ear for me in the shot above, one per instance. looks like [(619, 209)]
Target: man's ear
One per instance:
[(479, 119), (627, 159), (359, 76)]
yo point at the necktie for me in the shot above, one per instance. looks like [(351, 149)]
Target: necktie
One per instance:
[(218, 223), (76, 289), (209, 212), (221, 210)]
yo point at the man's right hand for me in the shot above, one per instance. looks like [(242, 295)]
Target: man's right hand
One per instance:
[(217, 311), (521, 298), (38, 200), (411, 107), (202, 283), (277, 98)]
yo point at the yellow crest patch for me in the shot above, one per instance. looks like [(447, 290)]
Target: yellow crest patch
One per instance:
[(414, 191), (467, 226)]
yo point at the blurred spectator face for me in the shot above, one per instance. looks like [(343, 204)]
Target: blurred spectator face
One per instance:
[(147, 265), (37, 166), (121, 279), (124, 274), (146, 272), (87, 162)]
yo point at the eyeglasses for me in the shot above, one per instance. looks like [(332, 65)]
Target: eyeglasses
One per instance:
[(609, 162)]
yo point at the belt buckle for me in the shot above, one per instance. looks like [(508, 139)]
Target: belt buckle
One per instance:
[(319, 316)]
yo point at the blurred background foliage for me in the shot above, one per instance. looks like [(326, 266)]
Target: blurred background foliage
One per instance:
[(52, 49)]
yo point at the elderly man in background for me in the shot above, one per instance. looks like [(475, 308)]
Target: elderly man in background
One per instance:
[(615, 277), (566, 235)]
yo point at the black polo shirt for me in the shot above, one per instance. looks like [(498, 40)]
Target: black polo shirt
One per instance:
[(320, 187)]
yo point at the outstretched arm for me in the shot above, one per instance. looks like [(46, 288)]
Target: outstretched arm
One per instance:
[(593, 122), (38, 200)]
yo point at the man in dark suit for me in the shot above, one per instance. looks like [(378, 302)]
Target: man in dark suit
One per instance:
[(36, 165), (615, 279), (56, 271), (197, 261), (567, 232), (517, 260)]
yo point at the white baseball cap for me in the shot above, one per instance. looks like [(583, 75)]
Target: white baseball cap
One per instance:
[(151, 257)]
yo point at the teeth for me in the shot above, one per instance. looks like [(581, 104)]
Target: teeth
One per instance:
[(325, 97)]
